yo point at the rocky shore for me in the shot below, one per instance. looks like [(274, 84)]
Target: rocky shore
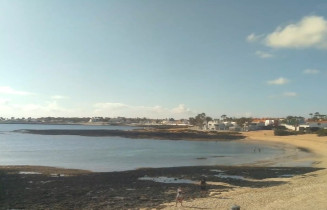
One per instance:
[(171, 134), (30, 187)]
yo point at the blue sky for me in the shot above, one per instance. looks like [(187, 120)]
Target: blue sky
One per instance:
[(163, 58)]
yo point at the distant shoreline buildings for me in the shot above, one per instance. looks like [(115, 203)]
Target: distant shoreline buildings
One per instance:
[(223, 124)]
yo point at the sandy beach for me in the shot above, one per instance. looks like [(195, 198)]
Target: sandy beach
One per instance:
[(299, 192), (262, 185)]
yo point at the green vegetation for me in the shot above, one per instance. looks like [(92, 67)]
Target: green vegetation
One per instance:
[(199, 120), (243, 120), (322, 132), (293, 120), (284, 132), (317, 116), (280, 132)]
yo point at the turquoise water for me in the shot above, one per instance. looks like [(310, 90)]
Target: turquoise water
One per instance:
[(103, 154)]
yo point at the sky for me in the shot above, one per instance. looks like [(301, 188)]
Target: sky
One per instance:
[(163, 58)]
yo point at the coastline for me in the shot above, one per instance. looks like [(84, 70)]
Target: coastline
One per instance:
[(299, 192), (260, 187)]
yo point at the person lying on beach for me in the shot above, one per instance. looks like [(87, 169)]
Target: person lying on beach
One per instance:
[(179, 196)]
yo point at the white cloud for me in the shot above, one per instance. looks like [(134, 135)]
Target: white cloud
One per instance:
[(262, 54), (253, 37), (124, 110), (311, 31), (9, 90), (58, 97), (49, 108), (283, 95), (279, 81), (4, 101), (180, 109), (311, 71), (52, 108), (289, 94)]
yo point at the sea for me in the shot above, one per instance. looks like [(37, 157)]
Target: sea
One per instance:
[(107, 154)]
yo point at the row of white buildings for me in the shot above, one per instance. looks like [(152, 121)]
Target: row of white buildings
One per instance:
[(260, 124), (307, 125), (233, 126)]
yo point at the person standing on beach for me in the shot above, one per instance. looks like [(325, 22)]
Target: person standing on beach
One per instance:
[(203, 186), (179, 196)]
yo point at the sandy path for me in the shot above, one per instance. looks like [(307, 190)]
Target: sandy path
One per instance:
[(300, 192)]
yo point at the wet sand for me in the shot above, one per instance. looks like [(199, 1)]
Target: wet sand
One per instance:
[(299, 192), (31, 187), (250, 186)]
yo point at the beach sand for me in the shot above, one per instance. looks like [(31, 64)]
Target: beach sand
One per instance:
[(300, 192)]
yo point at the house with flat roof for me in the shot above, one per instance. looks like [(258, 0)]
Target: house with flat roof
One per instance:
[(313, 124)]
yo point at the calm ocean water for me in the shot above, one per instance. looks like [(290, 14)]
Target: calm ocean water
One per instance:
[(105, 154)]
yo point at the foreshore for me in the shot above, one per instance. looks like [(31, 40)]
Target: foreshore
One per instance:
[(253, 186), (298, 193)]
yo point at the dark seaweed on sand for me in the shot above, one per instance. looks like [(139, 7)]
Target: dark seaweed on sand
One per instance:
[(124, 190)]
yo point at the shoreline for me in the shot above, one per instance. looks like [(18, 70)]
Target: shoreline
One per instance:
[(309, 143), (294, 156), (298, 192), (260, 187)]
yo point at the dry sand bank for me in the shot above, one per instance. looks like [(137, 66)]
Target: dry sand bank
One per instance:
[(300, 192)]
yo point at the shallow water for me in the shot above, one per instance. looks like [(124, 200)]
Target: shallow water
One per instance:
[(105, 154), (225, 176), (169, 180)]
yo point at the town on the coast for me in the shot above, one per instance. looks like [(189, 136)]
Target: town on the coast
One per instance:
[(297, 124), (149, 188)]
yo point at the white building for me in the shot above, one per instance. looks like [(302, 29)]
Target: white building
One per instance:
[(235, 127), (269, 122), (217, 125), (318, 124)]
